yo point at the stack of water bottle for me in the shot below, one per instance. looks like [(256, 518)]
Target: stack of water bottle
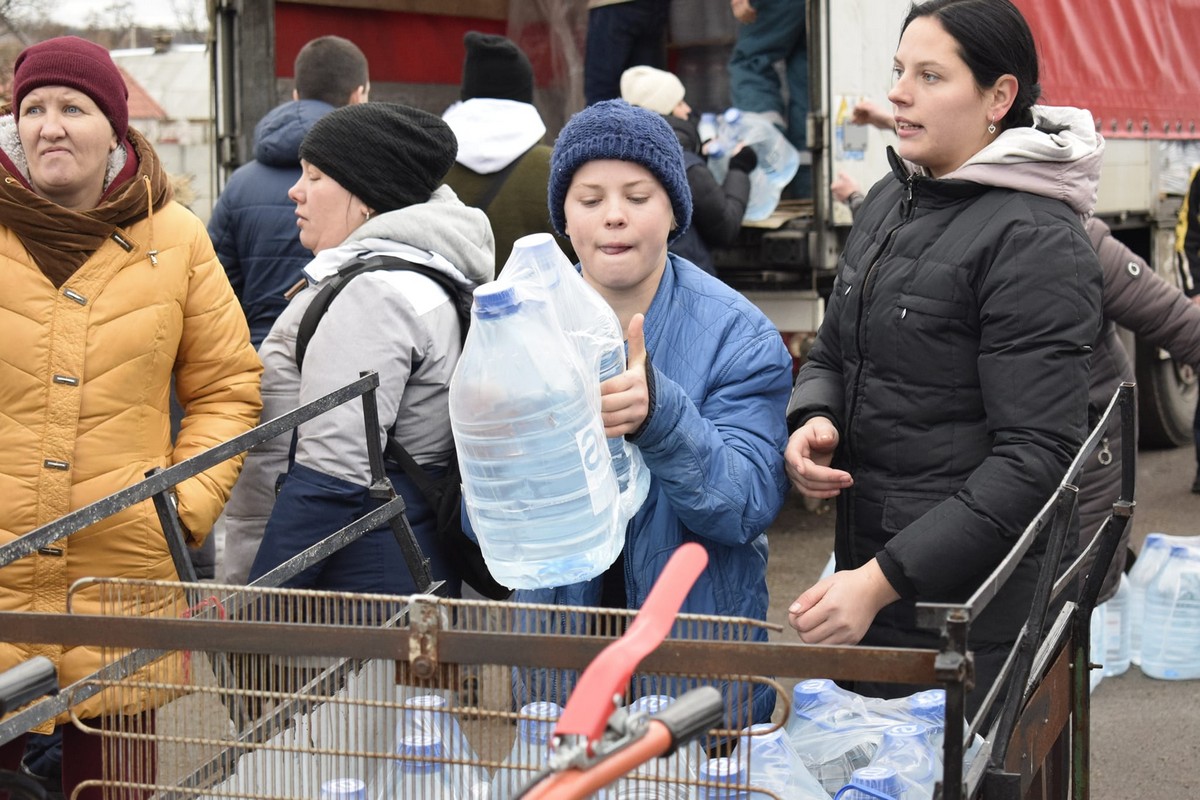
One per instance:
[(547, 495), (778, 160), (1163, 610)]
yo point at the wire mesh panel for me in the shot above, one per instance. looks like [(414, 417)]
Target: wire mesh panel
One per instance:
[(293, 694)]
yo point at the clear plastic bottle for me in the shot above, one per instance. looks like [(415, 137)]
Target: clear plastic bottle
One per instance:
[(908, 749), (530, 750), (1098, 630), (612, 364), (880, 783), (670, 772), (770, 762), (418, 772), (429, 715), (830, 730), (540, 497), (778, 160), (1154, 552), (1117, 632), (731, 779), (1171, 635)]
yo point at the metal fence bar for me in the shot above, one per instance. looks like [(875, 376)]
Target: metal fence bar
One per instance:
[(51, 532)]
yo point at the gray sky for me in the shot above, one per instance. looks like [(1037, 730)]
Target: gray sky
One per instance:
[(149, 13)]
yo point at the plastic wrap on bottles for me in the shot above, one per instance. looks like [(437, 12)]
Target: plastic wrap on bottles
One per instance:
[(540, 480), (909, 750), (834, 730), (593, 327), (770, 762)]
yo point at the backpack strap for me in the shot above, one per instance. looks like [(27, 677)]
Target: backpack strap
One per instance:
[(334, 285)]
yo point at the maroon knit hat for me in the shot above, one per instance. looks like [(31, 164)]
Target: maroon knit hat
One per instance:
[(80, 64)]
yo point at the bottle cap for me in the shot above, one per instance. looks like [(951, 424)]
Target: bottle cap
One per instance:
[(722, 770), (343, 789), (539, 730), (929, 706), (422, 715), (495, 300), (880, 780), (650, 703), (417, 753), (808, 694)]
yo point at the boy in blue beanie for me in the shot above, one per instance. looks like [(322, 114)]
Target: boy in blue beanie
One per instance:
[(707, 382)]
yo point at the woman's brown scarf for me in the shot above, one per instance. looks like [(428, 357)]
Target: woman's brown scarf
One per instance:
[(61, 240)]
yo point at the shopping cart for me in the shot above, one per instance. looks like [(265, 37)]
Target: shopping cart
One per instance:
[(259, 692)]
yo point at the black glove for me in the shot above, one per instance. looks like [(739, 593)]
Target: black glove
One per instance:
[(745, 159)]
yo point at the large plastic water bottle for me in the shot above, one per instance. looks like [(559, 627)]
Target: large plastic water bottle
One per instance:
[(909, 750), (593, 328), (1097, 632), (1154, 552), (1118, 630), (873, 783), (778, 160), (663, 779), (529, 752), (1171, 629), (539, 496), (770, 762), (429, 715), (830, 731), (417, 772)]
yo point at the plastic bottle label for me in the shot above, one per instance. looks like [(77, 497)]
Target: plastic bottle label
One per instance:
[(592, 448)]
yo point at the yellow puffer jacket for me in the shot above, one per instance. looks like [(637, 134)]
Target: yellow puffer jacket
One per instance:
[(85, 382)]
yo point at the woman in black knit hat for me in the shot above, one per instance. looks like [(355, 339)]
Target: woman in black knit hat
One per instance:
[(371, 185)]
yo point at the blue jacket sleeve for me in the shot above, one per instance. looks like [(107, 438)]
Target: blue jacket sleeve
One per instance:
[(720, 464)]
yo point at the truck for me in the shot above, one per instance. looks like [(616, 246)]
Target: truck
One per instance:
[(1126, 61)]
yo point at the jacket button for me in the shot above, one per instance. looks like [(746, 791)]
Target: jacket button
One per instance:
[(66, 380), (54, 463)]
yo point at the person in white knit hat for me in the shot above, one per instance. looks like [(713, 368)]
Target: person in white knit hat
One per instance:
[(718, 208)]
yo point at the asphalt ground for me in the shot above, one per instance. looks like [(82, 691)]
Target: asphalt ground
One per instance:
[(1145, 733)]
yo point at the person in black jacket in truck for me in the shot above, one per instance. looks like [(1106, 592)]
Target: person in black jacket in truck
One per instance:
[(947, 391)]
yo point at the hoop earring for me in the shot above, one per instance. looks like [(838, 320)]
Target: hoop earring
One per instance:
[(992, 126)]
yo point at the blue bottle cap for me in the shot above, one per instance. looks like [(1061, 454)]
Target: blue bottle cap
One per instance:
[(416, 752), (344, 789), (929, 706), (651, 703), (724, 771), (807, 694), (540, 729), (880, 782), (495, 300)]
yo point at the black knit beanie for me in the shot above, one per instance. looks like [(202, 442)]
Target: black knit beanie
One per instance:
[(495, 67), (387, 155)]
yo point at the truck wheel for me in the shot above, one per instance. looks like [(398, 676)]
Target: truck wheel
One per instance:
[(1166, 399)]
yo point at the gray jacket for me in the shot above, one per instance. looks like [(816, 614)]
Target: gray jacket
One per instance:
[(400, 324)]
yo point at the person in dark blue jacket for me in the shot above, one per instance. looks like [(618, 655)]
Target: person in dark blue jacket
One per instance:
[(705, 392), (253, 225)]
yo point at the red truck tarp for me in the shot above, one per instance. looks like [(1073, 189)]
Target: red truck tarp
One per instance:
[(1135, 64)]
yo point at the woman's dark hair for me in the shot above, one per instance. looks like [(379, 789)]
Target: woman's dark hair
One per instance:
[(993, 40)]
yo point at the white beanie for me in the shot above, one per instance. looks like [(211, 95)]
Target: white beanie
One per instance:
[(650, 88)]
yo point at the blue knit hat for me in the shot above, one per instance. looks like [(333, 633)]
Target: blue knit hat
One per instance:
[(614, 129)]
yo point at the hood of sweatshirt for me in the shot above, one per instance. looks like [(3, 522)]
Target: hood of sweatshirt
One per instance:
[(491, 133), (443, 233), (277, 136), (1059, 157)]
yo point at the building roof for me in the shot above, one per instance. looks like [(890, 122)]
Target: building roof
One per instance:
[(141, 104), (178, 79)]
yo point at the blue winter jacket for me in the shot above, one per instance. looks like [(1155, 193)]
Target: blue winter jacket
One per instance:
[(714, 446), (253, 225)]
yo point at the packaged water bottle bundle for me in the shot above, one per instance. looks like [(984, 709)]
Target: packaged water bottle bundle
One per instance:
[(1164, 608), (778, 160), (769, 761), (833, 731), (546, 493)]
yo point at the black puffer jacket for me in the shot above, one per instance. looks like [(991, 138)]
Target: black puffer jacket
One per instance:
[(954, 362), (717, 208)]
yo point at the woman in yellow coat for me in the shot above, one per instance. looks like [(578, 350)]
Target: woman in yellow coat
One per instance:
[(108, 289)]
